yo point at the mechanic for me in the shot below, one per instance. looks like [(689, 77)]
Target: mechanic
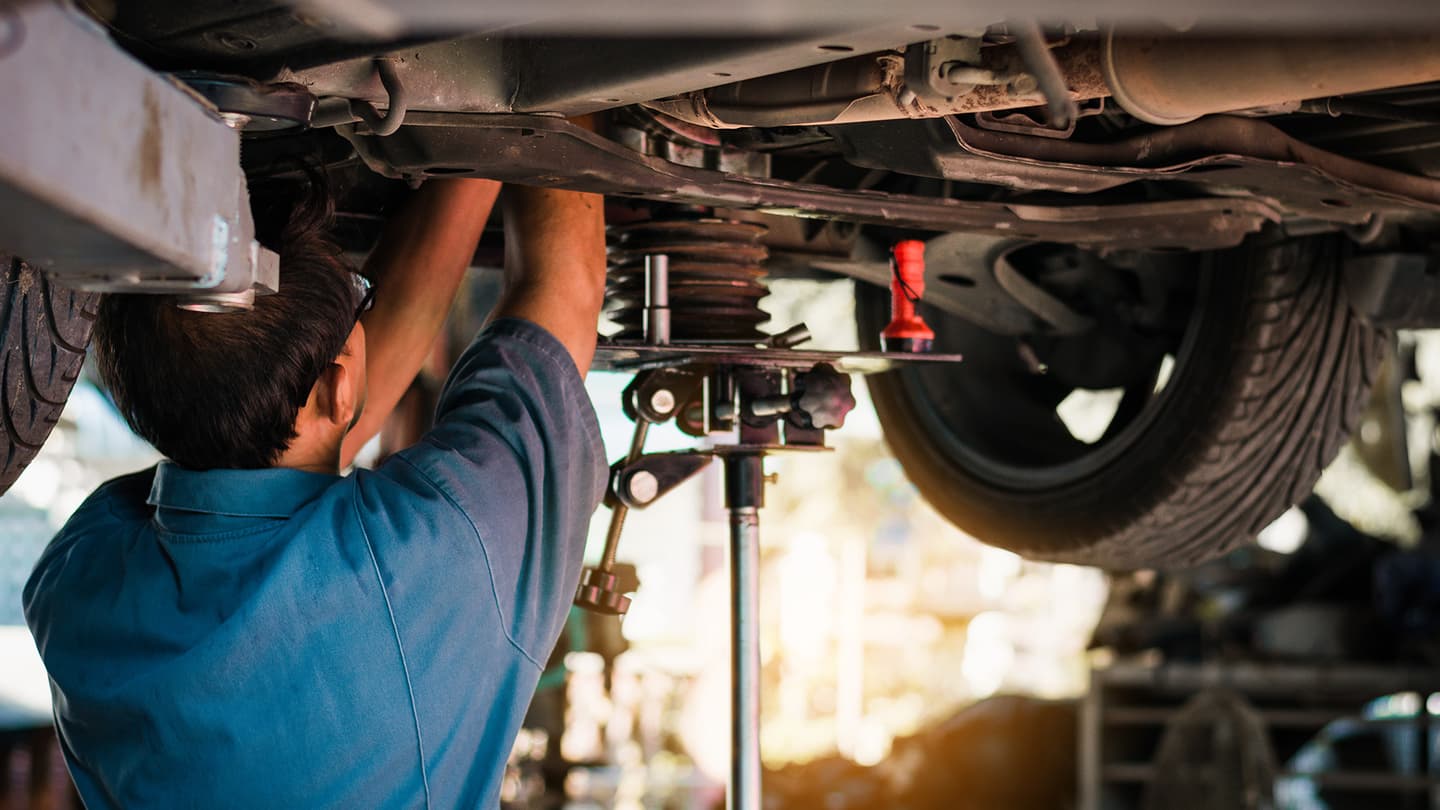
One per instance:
[(242, 626)]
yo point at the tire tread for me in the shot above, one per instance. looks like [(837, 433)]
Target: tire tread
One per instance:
[(1299, 385), (44, 331)]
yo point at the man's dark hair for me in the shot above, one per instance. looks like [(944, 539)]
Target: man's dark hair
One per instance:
[(212, 390)]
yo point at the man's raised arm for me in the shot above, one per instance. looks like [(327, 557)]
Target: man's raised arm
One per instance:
[(417, 267), (555, 264)]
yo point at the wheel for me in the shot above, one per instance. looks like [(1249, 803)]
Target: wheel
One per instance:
[(44, 329), (1232, 377)]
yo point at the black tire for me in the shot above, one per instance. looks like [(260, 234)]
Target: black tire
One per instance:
[(1276, 374), (44, 329)]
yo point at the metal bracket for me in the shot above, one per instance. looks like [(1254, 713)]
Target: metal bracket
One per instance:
[(632, 356), (113, 177), (250, 106), (941, 69), (641, 482)]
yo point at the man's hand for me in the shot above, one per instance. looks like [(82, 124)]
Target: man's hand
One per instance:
[(555, 264), (417, 267)]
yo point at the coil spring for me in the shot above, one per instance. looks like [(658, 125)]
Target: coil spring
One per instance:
[(716, 278)]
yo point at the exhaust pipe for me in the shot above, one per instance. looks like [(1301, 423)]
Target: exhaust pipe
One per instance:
[(1169, 80), (1162, 79), (886, 86)]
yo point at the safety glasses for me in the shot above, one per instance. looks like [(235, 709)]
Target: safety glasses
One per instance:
[(364, 294)]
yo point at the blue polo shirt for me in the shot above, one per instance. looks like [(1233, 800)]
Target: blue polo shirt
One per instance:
[(279, 638)]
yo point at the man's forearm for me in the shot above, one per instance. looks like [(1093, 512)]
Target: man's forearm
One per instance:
[(417, 267), (555, 264)]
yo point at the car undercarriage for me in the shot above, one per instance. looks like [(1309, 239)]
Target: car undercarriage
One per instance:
[(1212, 220)]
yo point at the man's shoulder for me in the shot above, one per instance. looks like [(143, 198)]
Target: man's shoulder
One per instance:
[(113, 505), (408, 488), (117, 501), (122, 497)]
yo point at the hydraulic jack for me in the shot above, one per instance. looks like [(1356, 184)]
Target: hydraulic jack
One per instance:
[(752, 397)]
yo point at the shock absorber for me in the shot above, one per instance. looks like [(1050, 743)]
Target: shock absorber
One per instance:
[(716, 278)]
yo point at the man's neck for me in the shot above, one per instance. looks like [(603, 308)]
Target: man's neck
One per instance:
[(312, 456), (333, 469)]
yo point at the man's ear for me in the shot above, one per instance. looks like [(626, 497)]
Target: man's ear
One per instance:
[(326, 398), (345, 379)]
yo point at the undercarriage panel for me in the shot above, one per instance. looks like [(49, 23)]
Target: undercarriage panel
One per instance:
[(545, 151)]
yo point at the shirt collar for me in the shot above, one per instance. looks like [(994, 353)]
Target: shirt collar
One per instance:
[(277, 492)]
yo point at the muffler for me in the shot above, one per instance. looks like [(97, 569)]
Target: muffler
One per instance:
[(1170, 80), (1162, 79)]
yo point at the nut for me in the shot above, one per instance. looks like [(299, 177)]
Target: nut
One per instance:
[(1024, 85)]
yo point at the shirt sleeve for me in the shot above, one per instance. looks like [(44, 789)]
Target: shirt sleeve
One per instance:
[(516, 448)]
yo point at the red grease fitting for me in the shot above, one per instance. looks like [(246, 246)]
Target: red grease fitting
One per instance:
[(907, 331)]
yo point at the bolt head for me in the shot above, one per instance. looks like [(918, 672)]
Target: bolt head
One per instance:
[(642, 486), (235, 120), (662, 401)]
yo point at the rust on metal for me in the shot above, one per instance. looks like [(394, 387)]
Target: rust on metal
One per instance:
[(716, 272)]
